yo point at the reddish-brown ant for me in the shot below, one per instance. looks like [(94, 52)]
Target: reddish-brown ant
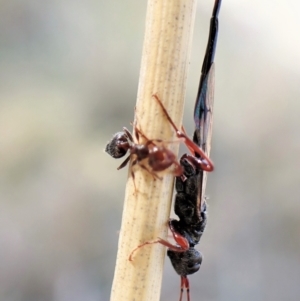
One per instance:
[(153, 156), (158, 156)]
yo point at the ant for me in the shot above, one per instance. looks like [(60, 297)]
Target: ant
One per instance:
[(159, 157), (153, 156), (190, 204)]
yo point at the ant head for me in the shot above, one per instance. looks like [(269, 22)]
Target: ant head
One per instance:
[(118, 146)]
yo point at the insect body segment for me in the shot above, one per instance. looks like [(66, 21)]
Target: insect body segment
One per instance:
[(191, 224)]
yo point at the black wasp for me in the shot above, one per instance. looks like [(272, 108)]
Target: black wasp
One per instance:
[(190, 204)]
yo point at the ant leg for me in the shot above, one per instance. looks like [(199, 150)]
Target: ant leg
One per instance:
[(132, 174), (137, 134), (178, 170), (138, 131), (151, 141), (205, 163), (198, 162), (180, 240), (165, 112), (134, 125), (184, 132), (133, 179), (130, 258), (160, 241), (153, 174), (126, 131), (124, 163)]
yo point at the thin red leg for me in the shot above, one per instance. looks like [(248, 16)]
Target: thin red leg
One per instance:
[(178, 170), (139, 132), (130, 258), (164, 243), (184, 132), (162, 165), (133, 176), (184, 285), (127, 133), (151, 141), (133, 179), (205, 163), (181, 288), (152, 173), (182, 242)]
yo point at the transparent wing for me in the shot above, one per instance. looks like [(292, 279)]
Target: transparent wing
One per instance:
[(203, 113), (204, 122), (205, 138)]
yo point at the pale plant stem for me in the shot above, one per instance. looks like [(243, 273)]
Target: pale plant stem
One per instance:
[(165, 59)]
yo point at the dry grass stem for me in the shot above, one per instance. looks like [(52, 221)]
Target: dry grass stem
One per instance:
[(166, 51)]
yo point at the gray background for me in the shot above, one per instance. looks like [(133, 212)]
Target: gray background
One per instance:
[(69, 75)]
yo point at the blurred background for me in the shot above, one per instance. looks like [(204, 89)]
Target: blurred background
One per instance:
[(69, 74)]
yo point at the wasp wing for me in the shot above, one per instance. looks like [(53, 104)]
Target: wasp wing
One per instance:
[(204, 122)]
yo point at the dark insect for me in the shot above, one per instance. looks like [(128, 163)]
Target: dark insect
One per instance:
[(190, 205)]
